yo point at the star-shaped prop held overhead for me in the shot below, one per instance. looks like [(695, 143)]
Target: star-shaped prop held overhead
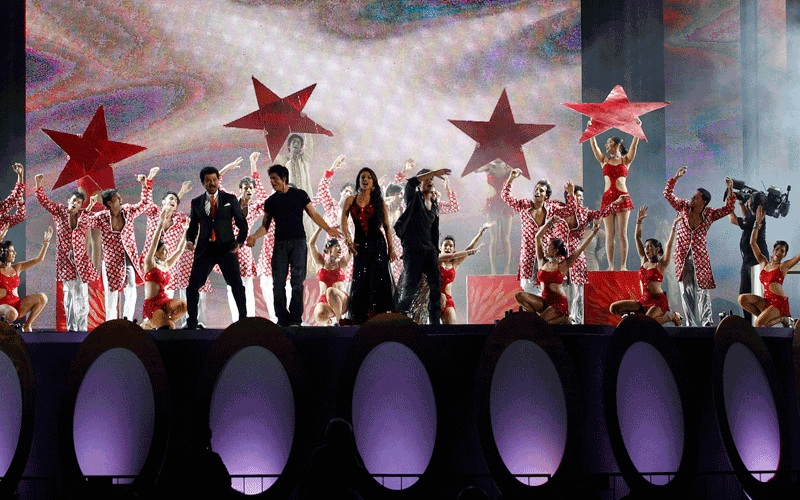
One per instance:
[(615, 112), (91, 154), (279, 117), (500, 138)]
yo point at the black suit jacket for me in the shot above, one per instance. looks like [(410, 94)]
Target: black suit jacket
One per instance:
[(200, 224)]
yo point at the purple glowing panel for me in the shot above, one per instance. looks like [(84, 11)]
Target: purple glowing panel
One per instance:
[(252, 417), (114, 415), (528, 411), (751, 412), (10, 412), (650, 412), (394, 414)]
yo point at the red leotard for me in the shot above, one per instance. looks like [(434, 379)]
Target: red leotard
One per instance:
[(161, 278), (448, 276), (554, 299), (648, 300), (614, 172), (780, 302), (10, 285), (329, 277)]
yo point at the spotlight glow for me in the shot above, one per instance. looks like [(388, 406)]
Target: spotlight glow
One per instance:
[(10, 412)]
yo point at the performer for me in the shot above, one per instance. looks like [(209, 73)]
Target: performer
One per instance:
[(161, 312), (286, 205), (746, 223), (615, 172), (773, 307), (211, 235), (332, 302), (552, 306), (692, 265), (532, 216), (121, 271), (11, 306), (449, 261), (298, 163), (333, 208), (14, 200), (655, 260), (74, 268), (500, 213), (371, 290)]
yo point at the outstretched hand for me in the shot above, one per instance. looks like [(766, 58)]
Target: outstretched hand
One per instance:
[(760, 214), (48, 235), (642, 212), (39, 180), (152, 173), (514, 174), (681, 172), (339, 162)]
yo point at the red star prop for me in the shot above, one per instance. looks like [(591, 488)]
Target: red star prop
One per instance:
[(615, 112), (91, 154), (279, 117), (500, 138)]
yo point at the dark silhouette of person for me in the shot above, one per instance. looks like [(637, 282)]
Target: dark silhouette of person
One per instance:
[(335, 470)]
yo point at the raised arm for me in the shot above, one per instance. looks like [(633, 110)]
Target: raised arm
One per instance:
[(449, 206), (30, 263), (638, 234), (540, 236), (145, 199), (628, 159), (598, 153), (186, 186), (505, 194), (670, 243), (312, 246), (403, 174), (318, 220), (230, 166), (754, 237), (150, 256), (567, 263), (458, 257), (16, 197), (677, 203), (730, 202), (173, 259), (484, 227)]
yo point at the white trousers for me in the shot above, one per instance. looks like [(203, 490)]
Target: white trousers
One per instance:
[(250, 299), (76, 305), (269, 299), (575, 297), (128, 292), (696, 301), (530, 286)]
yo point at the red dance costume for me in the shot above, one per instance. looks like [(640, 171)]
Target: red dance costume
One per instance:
[(329, 277), (448, 276), (160, 278), (10, 284), (779, 302), (614, 172), (648, 300), (553, 299)]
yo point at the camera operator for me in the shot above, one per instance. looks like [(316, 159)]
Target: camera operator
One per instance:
[(748, 208)]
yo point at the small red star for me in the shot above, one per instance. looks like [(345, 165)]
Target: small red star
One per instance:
[(91, 154), (615, 112), (279, 117), (500, 138)]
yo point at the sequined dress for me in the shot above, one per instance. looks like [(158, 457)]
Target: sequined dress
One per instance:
[(371, 291)]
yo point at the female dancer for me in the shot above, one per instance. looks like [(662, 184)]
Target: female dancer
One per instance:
[(552, 306), (615, 171), (498, 212), (773, 307), (11, 306), (332, 302), (371, 290), (161, 312), (655, 260), (449, 261)]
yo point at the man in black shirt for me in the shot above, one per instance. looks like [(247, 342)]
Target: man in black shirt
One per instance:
[(286, 206), (748, 259), (418, 230)]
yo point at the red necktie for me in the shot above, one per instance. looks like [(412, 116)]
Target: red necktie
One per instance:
[(212, 214)]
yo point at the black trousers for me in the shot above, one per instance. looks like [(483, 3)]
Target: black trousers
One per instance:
[(746, 286), (416, 262), (214, 253), (289, 253)]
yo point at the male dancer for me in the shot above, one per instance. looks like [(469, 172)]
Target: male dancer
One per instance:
[(692, 265), (15, 200)]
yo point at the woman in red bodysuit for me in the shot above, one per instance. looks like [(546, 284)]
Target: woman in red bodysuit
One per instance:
[(552, 306), (449, 260), (655, 260), (615, 172), (332, 302), (773, 307), (161, 312), (11, 305)]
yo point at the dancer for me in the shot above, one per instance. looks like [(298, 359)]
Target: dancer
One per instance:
[(74, 268), (11, 306), (332, 302), (655, 260), (449, 261), (552, 306), (692, 264), (161, 312), (773, 307), (333, 208), (615, 172), (500, 213), (746, 223), (371, 290), (14, 200), (393, 199), (298, 163)]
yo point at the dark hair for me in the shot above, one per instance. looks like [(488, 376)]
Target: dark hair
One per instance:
[(347, 185), (293, 137), (659, 247), (4, 245), (280, 170), (705, 194), (160, 244), (329, 244), (759, 199), (577, 188), (394, 188), (449, 237), (246, 180), (78, 194), (622, 148), (173, 193), (375, 198), (107, 195), (423, 171), (547, 186), (208, 170), (561, 248), (781, 242)]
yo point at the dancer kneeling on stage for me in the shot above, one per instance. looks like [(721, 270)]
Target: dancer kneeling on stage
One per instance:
[(655, 260), (332, 302), (449, 260), (12, 306), (552, 306), (773, 307), (161, 312)]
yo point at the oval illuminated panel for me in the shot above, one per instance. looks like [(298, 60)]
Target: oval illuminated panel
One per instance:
[(528, 411), (10, 412), (650, 412), (751, 411), (114, 415), (394, 414), (252, 417)]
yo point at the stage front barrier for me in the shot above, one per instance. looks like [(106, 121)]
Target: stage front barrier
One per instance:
[(605, 288)]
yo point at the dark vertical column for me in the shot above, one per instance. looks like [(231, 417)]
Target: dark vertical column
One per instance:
[(793, 76), (622, 43), (748, 41)]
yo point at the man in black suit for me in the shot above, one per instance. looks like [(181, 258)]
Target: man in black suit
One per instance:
[(211, 216)]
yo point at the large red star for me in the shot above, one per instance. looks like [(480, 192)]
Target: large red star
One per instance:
[(91, 154), (500, 138), (279, 117), (615, 112)]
